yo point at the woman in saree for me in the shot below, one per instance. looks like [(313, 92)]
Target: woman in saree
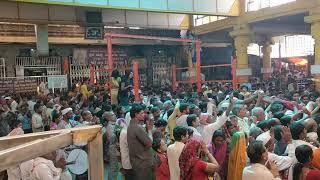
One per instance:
[(125, 87), (115, 83), (237, 156), (219, 149), (192, 167)]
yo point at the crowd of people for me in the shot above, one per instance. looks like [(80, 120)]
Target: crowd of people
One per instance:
[(219, 133)]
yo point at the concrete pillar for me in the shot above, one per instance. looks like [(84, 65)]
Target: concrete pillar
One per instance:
[(242, 39), (266, 59), (42, 39), (314, 20)]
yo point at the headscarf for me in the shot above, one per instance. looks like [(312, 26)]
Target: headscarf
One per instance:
[(237, 156), (188, 158)]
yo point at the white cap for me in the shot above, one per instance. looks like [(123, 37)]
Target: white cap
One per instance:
[(7, 98), (66, 110), (264, 137)]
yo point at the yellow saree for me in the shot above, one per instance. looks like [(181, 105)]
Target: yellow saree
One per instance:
[(237, 156)]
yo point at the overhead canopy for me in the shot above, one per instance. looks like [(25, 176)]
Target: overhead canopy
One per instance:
[(212, 7)]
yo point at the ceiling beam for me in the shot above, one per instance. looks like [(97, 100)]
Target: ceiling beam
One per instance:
[(280, 29), (82, 41), (201, 7), (296, 7)]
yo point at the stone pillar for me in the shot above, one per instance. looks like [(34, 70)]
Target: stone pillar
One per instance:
[(314, 20), (41, 31), (266, 59), (241, 36)]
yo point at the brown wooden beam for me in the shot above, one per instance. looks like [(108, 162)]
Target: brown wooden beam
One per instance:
[(31, 150), (95, 154), (80, 136), (12, 141)]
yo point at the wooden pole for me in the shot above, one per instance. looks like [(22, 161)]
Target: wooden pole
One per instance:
[(198, 66), (136, 81), (110, 60), (91, 74), (234, 74), (174, 78), (95, 154)]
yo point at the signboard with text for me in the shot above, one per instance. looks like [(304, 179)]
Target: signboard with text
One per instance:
[(60, 81)]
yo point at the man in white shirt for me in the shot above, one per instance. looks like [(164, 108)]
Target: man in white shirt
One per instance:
[(282, 162), (193, 122), (65, 122), (44, 169), (241, 111), (259, 113), (184, 110), (124, 151), (31, 102), (37, 121), (258, 156), (166, 106), (180, 135), (12, 104), (209, 129), (299, 133)]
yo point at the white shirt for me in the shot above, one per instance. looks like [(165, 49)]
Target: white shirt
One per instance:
[(209, 129), (128, 118), (257, 172), (64, 125), (124, 149), (196, 135), (44, 169), (173, 153), (31, 106), (182, 121), (291, 148), (26, 170), (49, 113), (37, 121), (14, 106), (244, 125), (282, 162)]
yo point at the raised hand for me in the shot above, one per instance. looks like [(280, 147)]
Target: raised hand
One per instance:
[(286, 134)]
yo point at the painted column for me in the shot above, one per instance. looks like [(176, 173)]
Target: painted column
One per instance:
[(266, 59), (242, 40), (314, 20)]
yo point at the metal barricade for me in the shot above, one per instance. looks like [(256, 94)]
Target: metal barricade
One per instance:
[(218, 73)]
